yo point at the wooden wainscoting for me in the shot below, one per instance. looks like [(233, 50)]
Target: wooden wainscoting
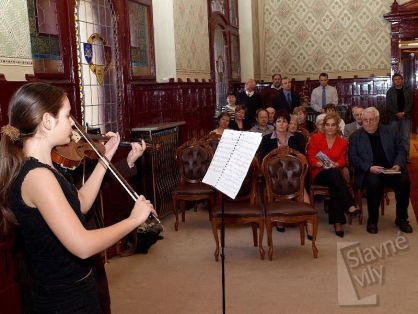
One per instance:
[(192, 102), (8, 88)]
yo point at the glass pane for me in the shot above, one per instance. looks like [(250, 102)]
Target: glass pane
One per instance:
[(218, 6), (44, 31), (140, 41), (233, 12)]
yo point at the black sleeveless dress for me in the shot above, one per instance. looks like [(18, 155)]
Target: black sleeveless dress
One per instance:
[(61, 281)]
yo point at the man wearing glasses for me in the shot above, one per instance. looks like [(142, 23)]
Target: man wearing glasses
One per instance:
[(379, 161)]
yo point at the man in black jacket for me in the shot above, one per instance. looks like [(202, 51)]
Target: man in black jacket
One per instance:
[(379, 160), (399, 104), (251, 100)]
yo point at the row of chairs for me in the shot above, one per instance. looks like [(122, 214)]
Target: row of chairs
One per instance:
[(283, 172)]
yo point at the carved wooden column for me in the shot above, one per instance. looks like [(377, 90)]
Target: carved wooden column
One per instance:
[(404, 27)]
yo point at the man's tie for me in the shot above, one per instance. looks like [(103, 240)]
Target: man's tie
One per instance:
[(289, 98), (324, 97)]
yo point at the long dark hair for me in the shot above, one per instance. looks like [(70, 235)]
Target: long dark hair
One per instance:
[(26, 109)]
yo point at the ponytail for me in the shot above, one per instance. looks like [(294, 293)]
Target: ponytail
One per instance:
[(11, 157)]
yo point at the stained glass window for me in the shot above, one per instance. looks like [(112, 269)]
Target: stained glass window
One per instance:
[(101, 89)]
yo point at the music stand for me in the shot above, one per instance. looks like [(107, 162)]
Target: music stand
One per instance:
[(226, 173)]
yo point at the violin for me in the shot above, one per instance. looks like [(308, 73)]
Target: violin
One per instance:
[(83, 146), (71, 155)]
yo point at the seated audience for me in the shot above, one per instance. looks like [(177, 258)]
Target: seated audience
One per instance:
[(230, 106), (372, 149), (223, 123), (261, 126), (294, 127), (327, 171), (293, 124), (281, 136), (271, 111), (240, 124), (319, 123), (286, 99), (330, 108), (353, 126), (303, 123)]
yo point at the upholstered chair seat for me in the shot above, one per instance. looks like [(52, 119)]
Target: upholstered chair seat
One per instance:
[(192, 188), (289, 208)]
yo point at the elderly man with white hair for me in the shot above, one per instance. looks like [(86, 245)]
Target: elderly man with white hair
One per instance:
[(379, 161), (251, 100), (357, 110)]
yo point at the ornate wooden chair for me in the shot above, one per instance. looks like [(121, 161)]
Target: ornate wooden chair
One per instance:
[(284, 170), (193, 158), (243, 210)]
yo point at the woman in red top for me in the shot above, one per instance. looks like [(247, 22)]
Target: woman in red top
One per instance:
[(326, 171)]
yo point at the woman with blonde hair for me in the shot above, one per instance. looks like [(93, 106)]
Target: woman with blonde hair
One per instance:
[(327, 156)]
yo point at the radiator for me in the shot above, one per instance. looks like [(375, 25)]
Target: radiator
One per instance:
[(158, 173)]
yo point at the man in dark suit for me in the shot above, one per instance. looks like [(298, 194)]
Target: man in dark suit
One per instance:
[(286, 100), (251, 100), (379, 160)]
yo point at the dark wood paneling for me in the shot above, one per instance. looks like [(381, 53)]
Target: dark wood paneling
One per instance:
[(8, 88), (193, 103)]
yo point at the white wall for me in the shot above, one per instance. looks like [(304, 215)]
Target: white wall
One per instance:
[(165, 52)]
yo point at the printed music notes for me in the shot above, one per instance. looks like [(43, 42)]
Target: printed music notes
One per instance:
[(231, 161)]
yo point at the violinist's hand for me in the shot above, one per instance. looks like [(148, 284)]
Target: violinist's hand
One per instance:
[(112, 144), (137, 151), (142, 209)]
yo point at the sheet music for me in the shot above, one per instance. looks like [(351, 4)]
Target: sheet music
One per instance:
[(231, 161)]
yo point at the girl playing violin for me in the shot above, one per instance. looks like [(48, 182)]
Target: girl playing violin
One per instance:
[(48, 210)]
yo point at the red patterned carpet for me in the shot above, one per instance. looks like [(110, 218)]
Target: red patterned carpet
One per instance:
[(413, 173)]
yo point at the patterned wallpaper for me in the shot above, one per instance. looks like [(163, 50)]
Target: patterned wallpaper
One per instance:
[(15, 51), (341, 37), (191, 39)]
